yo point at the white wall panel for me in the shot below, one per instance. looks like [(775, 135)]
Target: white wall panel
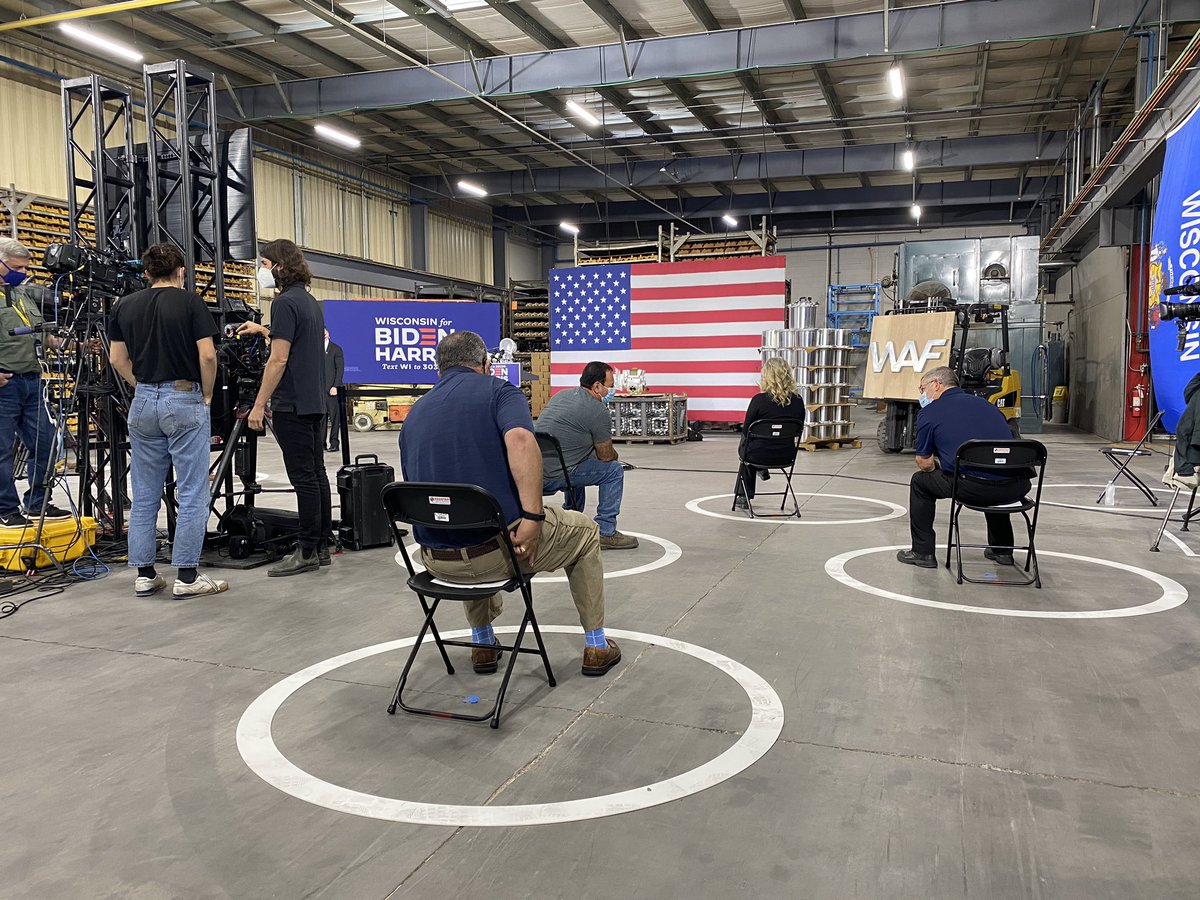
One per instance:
[(274, 200), (524, 261), (459, 248)]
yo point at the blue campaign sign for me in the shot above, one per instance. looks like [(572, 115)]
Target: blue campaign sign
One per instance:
[(394, 341), (510, 372), (1175, 260)]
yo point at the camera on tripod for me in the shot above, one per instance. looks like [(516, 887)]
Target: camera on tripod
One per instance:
[(1184, 312), (104, 272)]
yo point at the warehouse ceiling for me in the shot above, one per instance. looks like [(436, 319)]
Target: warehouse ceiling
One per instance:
[(703, 107)]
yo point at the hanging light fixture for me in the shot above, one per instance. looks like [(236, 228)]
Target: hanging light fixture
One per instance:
[(112, 48), (896, 81), (471, 187)]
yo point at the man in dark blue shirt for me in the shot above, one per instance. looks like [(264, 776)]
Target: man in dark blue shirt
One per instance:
[(476, 429), (948, 419)]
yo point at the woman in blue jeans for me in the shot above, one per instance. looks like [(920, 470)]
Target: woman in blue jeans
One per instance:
[(161, 343)]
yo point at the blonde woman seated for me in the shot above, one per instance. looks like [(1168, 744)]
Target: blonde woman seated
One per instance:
[(778, 400)]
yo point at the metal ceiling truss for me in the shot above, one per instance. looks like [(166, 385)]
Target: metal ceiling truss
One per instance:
[(999, 192), (922, 29), (989, 150)]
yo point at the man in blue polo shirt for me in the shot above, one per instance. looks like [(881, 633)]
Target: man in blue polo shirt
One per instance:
[(948, 419), (476, 429)]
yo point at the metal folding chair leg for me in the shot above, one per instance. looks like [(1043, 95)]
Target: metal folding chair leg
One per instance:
[(1167, 518)]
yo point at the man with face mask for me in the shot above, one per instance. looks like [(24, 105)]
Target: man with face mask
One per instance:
[(950, 417), (22, 409), (579, 419)]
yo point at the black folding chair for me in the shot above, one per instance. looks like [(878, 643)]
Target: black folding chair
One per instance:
[(1121, 457), (550, 447), (1014, 458), (451, 508), (773, 443)]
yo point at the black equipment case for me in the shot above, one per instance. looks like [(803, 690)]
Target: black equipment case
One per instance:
[(364, 521)]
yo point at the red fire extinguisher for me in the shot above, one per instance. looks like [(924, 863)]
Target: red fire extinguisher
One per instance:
[(1136, 399)]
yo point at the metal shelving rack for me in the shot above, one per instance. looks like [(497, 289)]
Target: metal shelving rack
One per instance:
[(674, 246), (853, 307)]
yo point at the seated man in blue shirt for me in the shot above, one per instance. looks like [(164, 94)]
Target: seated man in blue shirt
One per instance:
[(579, 419), (476, 429), (948, 419)]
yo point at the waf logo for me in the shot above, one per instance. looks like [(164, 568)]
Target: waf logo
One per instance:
[(408, 343)]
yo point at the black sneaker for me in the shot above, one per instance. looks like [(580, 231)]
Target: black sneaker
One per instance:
[(52, 512), (14, 520), (924, 560)]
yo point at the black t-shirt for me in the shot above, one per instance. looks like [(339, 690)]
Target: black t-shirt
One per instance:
[(297, 317), (160, 328), (763, 406)]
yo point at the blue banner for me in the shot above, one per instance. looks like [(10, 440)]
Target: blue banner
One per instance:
[(394, 341), (1175, 260)]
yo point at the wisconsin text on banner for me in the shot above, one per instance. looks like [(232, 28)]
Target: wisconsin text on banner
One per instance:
[(695, 327)]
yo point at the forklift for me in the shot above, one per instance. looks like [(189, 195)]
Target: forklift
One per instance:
[(983, 371)]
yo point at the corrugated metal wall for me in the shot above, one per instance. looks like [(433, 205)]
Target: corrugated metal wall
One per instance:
[(32, 157), (460, 248)]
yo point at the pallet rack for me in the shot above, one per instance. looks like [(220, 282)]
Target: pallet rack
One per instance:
[(853, 307), (671, 245)]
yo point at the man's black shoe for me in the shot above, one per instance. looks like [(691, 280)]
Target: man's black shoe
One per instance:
[(999, 558), (52, 512), (924, 560), (14, 520)]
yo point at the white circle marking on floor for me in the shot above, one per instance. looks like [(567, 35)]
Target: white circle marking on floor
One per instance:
[(894, 511), (1100, 507), (258, 749), (1173, 593), (671, 552)]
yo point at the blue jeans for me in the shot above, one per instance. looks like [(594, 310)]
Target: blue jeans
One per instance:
[(168, 428), (608, 476), (23, 414)]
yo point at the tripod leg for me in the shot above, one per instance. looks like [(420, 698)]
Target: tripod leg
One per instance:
[(1166, 519)]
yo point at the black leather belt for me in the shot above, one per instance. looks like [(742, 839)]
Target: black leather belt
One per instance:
[(471, 552)]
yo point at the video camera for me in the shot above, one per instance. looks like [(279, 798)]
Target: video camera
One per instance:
[(99, 271), (243, 356), (1182, 313)]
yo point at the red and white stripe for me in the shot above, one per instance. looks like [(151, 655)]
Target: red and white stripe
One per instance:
[(696, 328)]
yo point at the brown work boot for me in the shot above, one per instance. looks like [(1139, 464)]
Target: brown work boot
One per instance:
[(484, 661), (598, 660), (618, 541)]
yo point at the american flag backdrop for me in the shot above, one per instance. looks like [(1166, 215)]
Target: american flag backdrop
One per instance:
[(695, 327)]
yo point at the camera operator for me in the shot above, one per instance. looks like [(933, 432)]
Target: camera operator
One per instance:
[(294, 382), (161, 343), (22, 409)]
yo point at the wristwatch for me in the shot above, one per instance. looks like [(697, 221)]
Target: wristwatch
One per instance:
[(533, 517)]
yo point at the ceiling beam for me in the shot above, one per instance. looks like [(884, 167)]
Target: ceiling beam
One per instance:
[(702, 14), (699, 113), (788, 45), (812, 163), (930, 196), (981, 72)]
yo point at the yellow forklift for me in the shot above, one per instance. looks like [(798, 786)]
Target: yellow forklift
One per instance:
[(983, 370)]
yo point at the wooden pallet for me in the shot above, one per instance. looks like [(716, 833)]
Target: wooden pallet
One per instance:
[(650, 439), (832, 444)]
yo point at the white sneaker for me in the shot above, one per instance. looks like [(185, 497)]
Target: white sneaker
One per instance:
[(204, 584), (145, 587)]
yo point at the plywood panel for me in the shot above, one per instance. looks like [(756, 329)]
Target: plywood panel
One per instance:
[(902, 349)]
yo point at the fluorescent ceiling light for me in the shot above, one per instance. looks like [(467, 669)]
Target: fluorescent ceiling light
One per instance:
[(567, 226), (337, 136), (438, 7), (472, 188), (909, 161), (729, 220), (896, 81), (582, 114), (112, 48), (916, 210)]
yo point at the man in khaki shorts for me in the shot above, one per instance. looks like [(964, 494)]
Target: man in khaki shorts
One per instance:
[(476, 429)]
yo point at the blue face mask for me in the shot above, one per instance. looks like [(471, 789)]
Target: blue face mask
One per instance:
[(14, 278), (612, 392), (924, 400)]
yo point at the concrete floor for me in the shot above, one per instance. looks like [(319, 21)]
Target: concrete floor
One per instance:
[(925, 753)]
